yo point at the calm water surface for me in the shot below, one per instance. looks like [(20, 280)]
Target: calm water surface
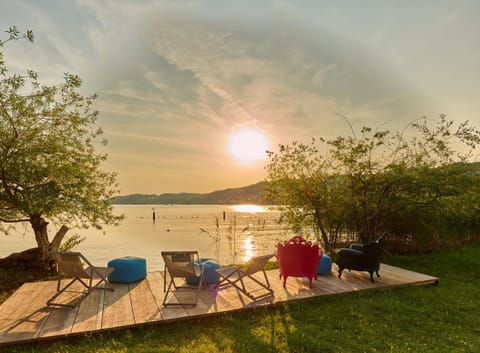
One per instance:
[(245, 232)]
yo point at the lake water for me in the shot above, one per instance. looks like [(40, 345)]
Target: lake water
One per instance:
[(246, 231)]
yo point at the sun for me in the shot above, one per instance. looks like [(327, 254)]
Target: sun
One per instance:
[(248, 145)]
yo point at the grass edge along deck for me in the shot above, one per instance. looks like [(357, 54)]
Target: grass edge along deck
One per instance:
[(24, 316)]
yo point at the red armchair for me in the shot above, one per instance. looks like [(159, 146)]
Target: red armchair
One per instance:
[(298, 257)]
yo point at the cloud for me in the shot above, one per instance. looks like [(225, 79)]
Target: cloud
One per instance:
[(176, 78), (276, 76), (243, 81), (216, 70)]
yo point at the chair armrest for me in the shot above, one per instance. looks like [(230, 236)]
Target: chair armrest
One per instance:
[(348, 252), (357, 246)]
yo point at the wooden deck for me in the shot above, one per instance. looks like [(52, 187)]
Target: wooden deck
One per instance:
[(24, 317)]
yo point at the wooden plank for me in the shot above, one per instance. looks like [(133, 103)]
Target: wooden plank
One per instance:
[(27, 316), (387, 280), (327, 285), (359, 280), (254, 288), (10, 309), (395, 274), (355, 280), (60, 320), (407, 275), (90, 312), (209, 297), (117, 311), (229, 298), (143, 302), (282, 294), (155, 281), (295, 288), (201, 309), (26, 329), (10, 305), (337, 285)]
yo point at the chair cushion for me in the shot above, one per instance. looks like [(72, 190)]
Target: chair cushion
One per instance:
[(350, 252)]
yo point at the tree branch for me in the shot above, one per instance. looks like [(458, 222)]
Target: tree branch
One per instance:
[(57, 239)]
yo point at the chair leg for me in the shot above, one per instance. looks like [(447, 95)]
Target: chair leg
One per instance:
[(106, 285), (201, 284), (265, 286), (59, 280), (174, 289), (266, 279), (51, 301), (164, 277), (340, 272), (167, 291)]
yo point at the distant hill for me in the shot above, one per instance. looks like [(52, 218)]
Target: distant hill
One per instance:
[(247, 194)]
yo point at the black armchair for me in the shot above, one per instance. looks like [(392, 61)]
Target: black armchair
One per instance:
[(361, 257)]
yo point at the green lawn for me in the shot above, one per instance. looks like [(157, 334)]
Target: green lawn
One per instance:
[(443, 318)]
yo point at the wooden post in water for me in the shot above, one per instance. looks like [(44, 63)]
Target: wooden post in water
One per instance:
[(153, 214)]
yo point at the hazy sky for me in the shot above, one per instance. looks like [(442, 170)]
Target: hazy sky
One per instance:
[(177, 78)]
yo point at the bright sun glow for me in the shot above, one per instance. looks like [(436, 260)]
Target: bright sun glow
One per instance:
[(248, 145)]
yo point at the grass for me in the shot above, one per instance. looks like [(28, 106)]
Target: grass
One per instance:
[(440, 318)]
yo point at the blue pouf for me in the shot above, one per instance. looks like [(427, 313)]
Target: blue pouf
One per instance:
[(128, 269), (324, 265), (211, 277)]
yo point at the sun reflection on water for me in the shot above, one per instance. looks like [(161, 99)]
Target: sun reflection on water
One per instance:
[(248, 248), (249, 208)]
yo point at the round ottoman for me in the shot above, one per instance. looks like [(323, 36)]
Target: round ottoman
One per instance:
[(211, 277), (128, 269), (324, 265)]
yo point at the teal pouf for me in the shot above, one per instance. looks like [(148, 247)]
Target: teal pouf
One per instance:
[(210, 275), (128, 269), (324, 265)]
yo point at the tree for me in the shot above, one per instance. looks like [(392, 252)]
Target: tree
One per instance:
[(301, 182), (49, 168), (404, 182)]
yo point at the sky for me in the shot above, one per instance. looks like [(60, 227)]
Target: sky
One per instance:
[(177, 79)]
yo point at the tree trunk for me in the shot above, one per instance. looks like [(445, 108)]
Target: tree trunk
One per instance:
[(39, 226), (326, 241), (57, 239)]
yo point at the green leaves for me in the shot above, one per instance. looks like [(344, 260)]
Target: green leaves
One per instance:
[(13, 34), (404, 182), (49, 165), (29, 35)]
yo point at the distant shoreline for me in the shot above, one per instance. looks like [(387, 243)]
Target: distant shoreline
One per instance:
[(251, 194)]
